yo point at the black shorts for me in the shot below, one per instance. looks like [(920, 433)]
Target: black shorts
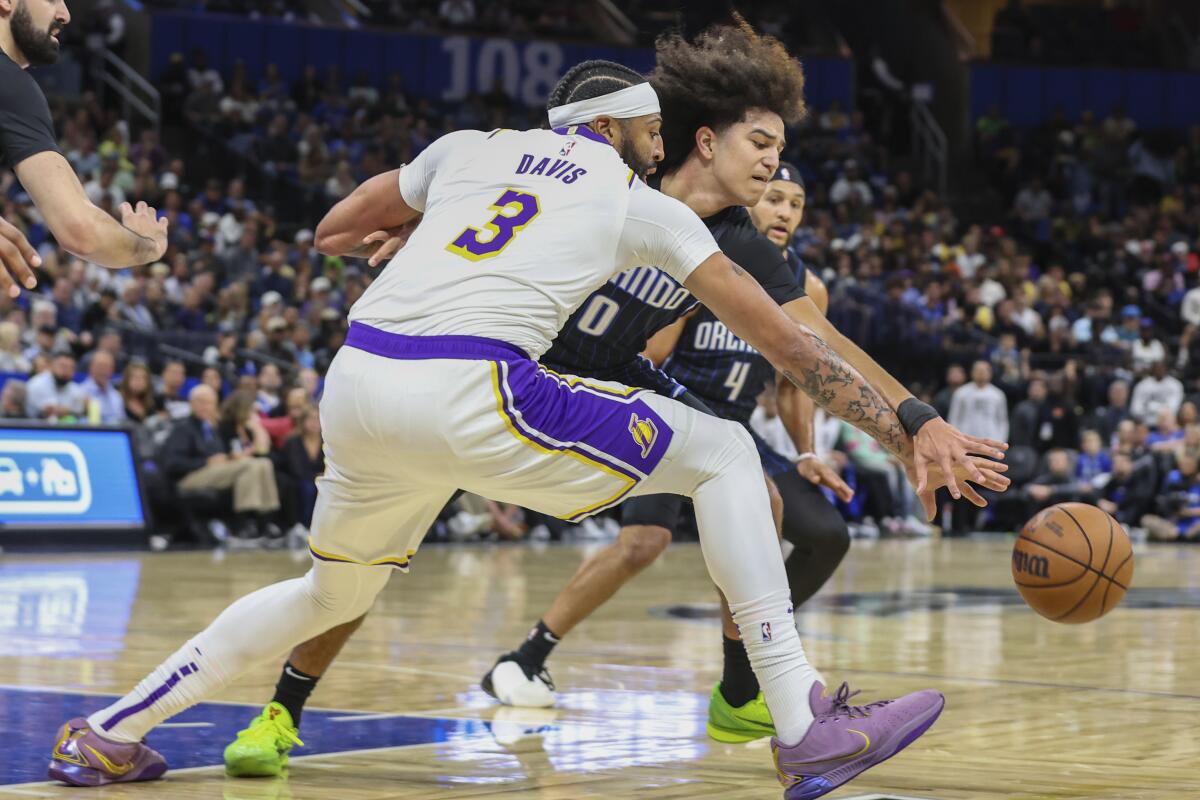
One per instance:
[(639, 373), (773, 461), (805, 506)]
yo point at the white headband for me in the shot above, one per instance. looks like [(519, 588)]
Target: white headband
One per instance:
[(632, 101)]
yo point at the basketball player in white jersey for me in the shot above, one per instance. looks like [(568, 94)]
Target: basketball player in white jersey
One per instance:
[(438, 388)]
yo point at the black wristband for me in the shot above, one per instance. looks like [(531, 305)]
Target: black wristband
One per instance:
[(913, 414)]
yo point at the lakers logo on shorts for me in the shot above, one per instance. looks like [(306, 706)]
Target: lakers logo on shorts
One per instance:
[(645, 433)]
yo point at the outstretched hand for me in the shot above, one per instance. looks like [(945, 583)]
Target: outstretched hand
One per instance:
[(939, 444), (981, 471)]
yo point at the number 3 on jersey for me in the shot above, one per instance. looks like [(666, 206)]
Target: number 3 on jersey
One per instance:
[(514, 210)]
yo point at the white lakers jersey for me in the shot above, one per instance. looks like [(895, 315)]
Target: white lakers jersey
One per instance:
[(519, 228)]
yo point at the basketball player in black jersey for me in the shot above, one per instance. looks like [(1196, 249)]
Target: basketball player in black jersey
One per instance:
[(728, 150), (728, 375)]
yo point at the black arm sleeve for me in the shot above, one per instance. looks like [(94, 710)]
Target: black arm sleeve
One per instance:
[(25, 124), (756, 254)]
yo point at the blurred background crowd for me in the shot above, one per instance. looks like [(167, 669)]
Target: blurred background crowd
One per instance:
[(1051, 298)]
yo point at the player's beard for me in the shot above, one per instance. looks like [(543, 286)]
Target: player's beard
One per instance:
[(640, 165), (39, 47), (630, 156)]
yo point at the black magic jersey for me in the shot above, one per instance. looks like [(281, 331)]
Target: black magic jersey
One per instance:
[(718, 367), (606, 335)]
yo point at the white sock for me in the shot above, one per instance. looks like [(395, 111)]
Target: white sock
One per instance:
[(768, 630), (184, 679), (722, 473), (262, 625)]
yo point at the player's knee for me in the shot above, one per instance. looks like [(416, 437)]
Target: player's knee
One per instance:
[(344, 592), (826, 536), (640, 545), (733, 444), (832, 536)]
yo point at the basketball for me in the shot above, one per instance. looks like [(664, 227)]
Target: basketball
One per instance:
[(1072, 563)]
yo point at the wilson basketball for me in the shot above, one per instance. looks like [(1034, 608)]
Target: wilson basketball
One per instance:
[(1072, 563)]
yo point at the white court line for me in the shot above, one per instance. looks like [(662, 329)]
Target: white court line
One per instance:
[(437, 673), (453, 713), (98, 693), (365, 717), (26, 792)]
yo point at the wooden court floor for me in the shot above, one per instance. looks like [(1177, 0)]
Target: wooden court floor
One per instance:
[(1034, 709)]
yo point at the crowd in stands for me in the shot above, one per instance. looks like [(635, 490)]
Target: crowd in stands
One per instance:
[(1068, 326), (1119, 34), (507, 17), (324, 132)]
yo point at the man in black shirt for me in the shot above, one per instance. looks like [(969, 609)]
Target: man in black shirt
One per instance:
[(28, 35), (1105, 419)]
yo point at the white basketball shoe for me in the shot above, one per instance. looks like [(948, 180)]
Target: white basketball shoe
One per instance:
[(513, 684)]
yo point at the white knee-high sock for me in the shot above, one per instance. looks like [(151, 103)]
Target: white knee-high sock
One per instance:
[(741, 549), (259, 626), (769, 635), (184, 679)]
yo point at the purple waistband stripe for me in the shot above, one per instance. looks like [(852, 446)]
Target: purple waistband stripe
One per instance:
[(416, 348)]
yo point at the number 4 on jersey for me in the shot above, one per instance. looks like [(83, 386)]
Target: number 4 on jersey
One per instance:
[(737, 379), (514, 210)]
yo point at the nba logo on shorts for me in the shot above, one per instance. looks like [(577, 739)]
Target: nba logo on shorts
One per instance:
[(766, 631)]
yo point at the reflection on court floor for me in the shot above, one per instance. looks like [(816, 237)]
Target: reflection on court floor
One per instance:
[(1091, 712)]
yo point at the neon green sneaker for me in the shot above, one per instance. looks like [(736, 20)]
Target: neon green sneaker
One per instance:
[(261, 750), (736, 725)]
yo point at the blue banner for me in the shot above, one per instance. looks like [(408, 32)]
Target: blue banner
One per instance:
[(441, 68), (67, 477), (1029, 95)]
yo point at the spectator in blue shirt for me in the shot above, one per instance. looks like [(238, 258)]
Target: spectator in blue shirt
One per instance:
[(191, 316), (1167, 434), (69, 315), (99, 388), (1093, 461), (1131, 325), (273, 279)]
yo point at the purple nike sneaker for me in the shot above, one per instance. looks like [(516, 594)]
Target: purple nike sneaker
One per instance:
[(847, 740), (82, 757)]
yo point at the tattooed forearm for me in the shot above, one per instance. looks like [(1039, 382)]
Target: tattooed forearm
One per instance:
[(839, 389)]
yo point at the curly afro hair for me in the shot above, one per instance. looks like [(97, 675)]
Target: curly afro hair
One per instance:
[(714, 81)]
